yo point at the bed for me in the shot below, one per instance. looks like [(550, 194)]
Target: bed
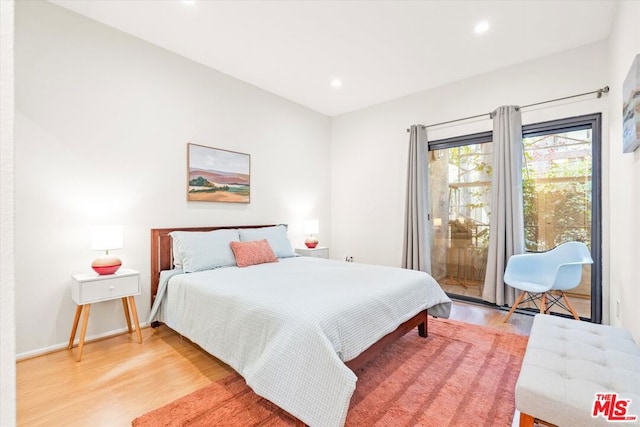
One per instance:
[(295, 329)]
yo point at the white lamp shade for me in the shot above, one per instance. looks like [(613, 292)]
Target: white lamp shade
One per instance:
[(106, 237), (437, 222), (312, 226)]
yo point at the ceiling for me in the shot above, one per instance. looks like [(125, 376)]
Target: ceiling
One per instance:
[(380, 50)]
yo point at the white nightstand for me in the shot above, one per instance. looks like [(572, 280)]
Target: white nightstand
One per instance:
[(317, 252), (89, 288)]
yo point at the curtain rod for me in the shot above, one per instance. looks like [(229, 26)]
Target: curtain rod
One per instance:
[(599, 92)]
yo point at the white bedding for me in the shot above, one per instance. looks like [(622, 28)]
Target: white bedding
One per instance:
[(287, 327)]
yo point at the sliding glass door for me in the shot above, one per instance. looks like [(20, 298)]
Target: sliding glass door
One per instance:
[(561, 188), (561, 183), (460, 198)]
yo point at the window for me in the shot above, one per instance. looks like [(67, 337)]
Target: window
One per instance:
[(561, 189)]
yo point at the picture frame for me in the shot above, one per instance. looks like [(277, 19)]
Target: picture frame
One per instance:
[(631, 108), (217, 175)]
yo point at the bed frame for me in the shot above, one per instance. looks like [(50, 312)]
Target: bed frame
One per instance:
[(162, 259)]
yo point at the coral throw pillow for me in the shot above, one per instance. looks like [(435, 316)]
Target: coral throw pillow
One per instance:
[(252, 253)]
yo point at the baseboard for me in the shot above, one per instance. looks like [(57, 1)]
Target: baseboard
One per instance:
[(63, 346)]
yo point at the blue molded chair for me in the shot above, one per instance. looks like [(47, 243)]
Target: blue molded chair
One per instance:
[(537, 274)]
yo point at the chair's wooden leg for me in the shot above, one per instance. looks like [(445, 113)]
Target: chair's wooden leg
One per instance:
[(573, 311), (526, 420), (514, 306), (543, 303)]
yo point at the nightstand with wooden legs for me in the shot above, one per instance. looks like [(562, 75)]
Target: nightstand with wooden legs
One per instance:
[(90, 288)]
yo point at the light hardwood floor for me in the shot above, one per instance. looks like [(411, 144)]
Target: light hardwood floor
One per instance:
[(119, 379)]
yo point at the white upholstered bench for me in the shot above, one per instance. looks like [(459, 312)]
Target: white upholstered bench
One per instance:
[(567, 363)]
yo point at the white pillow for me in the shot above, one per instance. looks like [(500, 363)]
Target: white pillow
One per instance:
[(203, 250), (276, 236)]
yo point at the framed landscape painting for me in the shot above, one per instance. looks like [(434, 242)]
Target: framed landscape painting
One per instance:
[(631, 108), (216, 175)]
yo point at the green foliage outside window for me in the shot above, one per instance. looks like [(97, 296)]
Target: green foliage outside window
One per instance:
[(556, 188)]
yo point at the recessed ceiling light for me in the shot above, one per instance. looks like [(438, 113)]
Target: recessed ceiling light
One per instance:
[(336, 83), (481, 27)]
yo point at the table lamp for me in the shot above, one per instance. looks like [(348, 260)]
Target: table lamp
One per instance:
[(106, 238), (311, 227)]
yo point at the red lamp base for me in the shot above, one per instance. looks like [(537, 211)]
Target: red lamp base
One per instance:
[(311, 242), (106, 264)]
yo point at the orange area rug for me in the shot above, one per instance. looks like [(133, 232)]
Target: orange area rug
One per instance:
[(461, 375)]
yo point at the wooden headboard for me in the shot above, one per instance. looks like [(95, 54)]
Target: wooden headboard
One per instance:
[(162, 254)]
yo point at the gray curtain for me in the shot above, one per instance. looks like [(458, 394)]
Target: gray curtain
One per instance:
[(506, 228), (416, 248)]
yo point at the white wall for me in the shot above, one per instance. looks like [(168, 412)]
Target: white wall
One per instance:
[(369, 147), (624, 174), (7, 322), (102, 123)]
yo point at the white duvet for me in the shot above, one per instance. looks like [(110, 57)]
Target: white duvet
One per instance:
[(287, 327)]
